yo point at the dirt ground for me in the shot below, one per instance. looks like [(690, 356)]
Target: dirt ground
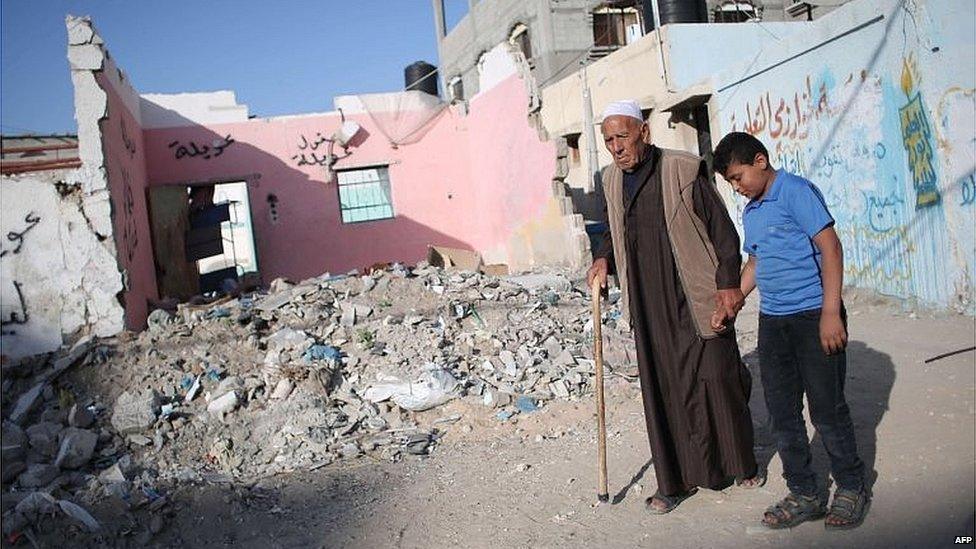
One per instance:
[(531, 481)]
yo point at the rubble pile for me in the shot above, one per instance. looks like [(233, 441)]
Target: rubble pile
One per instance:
[(305, 375)]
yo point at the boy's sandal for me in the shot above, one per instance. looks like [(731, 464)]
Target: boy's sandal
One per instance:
[(793, 510), (851, 506), (756, 481), (670, 502)]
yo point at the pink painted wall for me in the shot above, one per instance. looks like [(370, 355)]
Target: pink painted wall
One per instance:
[(467, 183), (125, 165)]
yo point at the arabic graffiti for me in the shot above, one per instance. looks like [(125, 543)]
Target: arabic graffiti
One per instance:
[(968, 185), (878, 260), (308, 156), (847, 158), (215, 149), (18, 237), (791, 116), (313, 158), (21, 317), (130, 232), (126, 141), (916, 134), (883, 212)]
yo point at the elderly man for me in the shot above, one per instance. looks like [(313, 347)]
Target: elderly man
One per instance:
[(675, 252)]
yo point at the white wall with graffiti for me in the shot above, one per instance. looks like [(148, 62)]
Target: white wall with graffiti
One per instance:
[(875, 105), (58, 277)]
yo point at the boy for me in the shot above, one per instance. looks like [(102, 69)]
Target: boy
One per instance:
[(796, 260)]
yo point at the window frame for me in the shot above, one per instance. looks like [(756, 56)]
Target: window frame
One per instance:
[(389, 193)]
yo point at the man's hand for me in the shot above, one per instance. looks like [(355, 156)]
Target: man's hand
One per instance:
[(833, 336), (597, 271), (729, 302)]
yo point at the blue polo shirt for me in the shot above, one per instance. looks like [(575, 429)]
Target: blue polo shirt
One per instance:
[(779, 230)]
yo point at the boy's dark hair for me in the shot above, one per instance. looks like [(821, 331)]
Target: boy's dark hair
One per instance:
[(737, 147)]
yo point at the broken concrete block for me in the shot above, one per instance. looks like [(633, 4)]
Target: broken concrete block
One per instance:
[(80, 416), (223, 404), (77, 447), (535, 282), (552, 347), (11, 469), (279, 284), (287, 339), (348, 318), (274, 301), (44, 437), (80, 514), (112, 475), (508, 360), (139, 440), (559, 388), (368, 283), (36, 505), (79, 31), (135, 412), (565, 358), (13, 442), (26, 403), (282, 389), (38, 475)]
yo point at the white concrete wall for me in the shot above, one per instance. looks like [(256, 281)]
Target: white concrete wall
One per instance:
[(160, 110), (882, 120), (67, 276)]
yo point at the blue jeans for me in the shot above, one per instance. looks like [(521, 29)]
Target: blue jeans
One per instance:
[(792, 363)]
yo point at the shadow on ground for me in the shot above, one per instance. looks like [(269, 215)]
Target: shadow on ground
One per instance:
[(870, 378)]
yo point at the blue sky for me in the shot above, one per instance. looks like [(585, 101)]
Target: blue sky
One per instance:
[(280, 57)]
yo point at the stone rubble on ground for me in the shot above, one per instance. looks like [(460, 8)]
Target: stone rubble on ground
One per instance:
[(332, 368)]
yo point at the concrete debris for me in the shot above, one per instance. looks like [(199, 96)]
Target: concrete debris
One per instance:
[(78, 513), (77, 447), (303, 376), (282, 389), (80, 416), (43, 437), (226, 403), (135, 412), (38, 475), (26, 403)]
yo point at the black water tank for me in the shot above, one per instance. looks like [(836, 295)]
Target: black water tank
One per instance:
[(675, 11), (421, 76)]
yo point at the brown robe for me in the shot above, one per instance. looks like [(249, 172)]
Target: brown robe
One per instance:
[(695, 391)]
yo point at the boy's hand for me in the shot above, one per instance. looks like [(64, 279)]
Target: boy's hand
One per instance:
[(718, 321), (833, 336)]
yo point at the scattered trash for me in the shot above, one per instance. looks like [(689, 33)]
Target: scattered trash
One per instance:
[(435, 387), (526, 404), (322, 352)]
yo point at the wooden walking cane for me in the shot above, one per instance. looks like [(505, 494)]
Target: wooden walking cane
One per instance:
[(601, 422)]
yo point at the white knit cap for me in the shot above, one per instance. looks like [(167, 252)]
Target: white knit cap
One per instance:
[(627, 107)]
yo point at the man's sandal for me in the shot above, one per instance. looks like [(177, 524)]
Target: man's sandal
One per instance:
[(793, 510), (756, 481), (670, 502), (851, 506)]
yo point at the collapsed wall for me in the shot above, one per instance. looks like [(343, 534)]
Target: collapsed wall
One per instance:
[(78, 258), (113, 170)]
